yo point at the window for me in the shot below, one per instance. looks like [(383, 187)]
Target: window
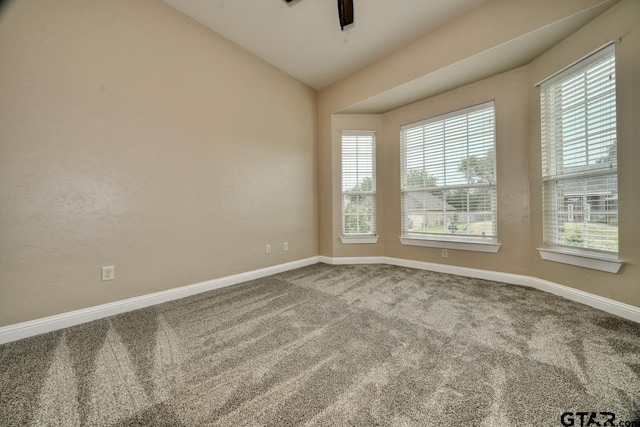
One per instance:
[(579, 156), (358, 186), (449, 177)]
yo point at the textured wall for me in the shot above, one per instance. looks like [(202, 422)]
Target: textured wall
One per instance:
[(132, 136)]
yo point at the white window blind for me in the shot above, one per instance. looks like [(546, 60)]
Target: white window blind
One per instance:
[(579, 155), (358, 183), (449, 176)]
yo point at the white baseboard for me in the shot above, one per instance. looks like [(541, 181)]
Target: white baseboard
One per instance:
[(65, 320), (353, 260), (626, 311)]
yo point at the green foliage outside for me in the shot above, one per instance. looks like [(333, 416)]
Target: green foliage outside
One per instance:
[(358, 218), (475, 200), (479, 169), (419, 178), (365, 185), (574, 238), (591, 236), (476, 170), (612, 154)]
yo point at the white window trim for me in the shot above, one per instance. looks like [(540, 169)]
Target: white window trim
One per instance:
[(467, 245), (357, 240), (601, 262)]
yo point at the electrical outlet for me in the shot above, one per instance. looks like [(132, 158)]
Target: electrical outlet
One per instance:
[(108, 273), (445, 253), (267, 248), (286, 246)]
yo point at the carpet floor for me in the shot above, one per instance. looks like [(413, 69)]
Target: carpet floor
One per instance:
[(332, 346)]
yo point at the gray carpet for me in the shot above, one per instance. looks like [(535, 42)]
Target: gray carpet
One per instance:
[(332, 345)]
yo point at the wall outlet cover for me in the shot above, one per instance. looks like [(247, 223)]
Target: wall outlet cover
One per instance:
[(108, 273)]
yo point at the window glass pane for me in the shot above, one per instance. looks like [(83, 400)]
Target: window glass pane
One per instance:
[(358, 183), (586, 212), (579, 156), (461, 212), (448, 176)]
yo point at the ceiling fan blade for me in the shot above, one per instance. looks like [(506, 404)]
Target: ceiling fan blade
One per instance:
[(345, 12)]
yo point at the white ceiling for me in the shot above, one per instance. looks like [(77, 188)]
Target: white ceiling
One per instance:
[(304, 38)]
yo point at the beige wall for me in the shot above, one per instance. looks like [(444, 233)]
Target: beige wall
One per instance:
[(623, 20), (132, 136), (509, 91)]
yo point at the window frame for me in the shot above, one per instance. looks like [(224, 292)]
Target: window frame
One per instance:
[(552, 176), (445, 241), (368, 237)]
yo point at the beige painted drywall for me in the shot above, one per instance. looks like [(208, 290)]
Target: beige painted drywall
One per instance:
[(130, 135), (509, 91), (366, 122), (622, 20)]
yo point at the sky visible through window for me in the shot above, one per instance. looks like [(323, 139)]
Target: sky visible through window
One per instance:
[(588, 117), (439, 148)]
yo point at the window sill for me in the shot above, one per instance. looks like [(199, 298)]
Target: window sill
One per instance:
[(490, 247), (610, 264), (356, 240)]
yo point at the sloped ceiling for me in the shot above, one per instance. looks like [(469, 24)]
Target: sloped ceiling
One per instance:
[(304, 38), (507, 56)]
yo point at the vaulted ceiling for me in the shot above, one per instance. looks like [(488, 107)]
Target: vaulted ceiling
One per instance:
[(304, 38)]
